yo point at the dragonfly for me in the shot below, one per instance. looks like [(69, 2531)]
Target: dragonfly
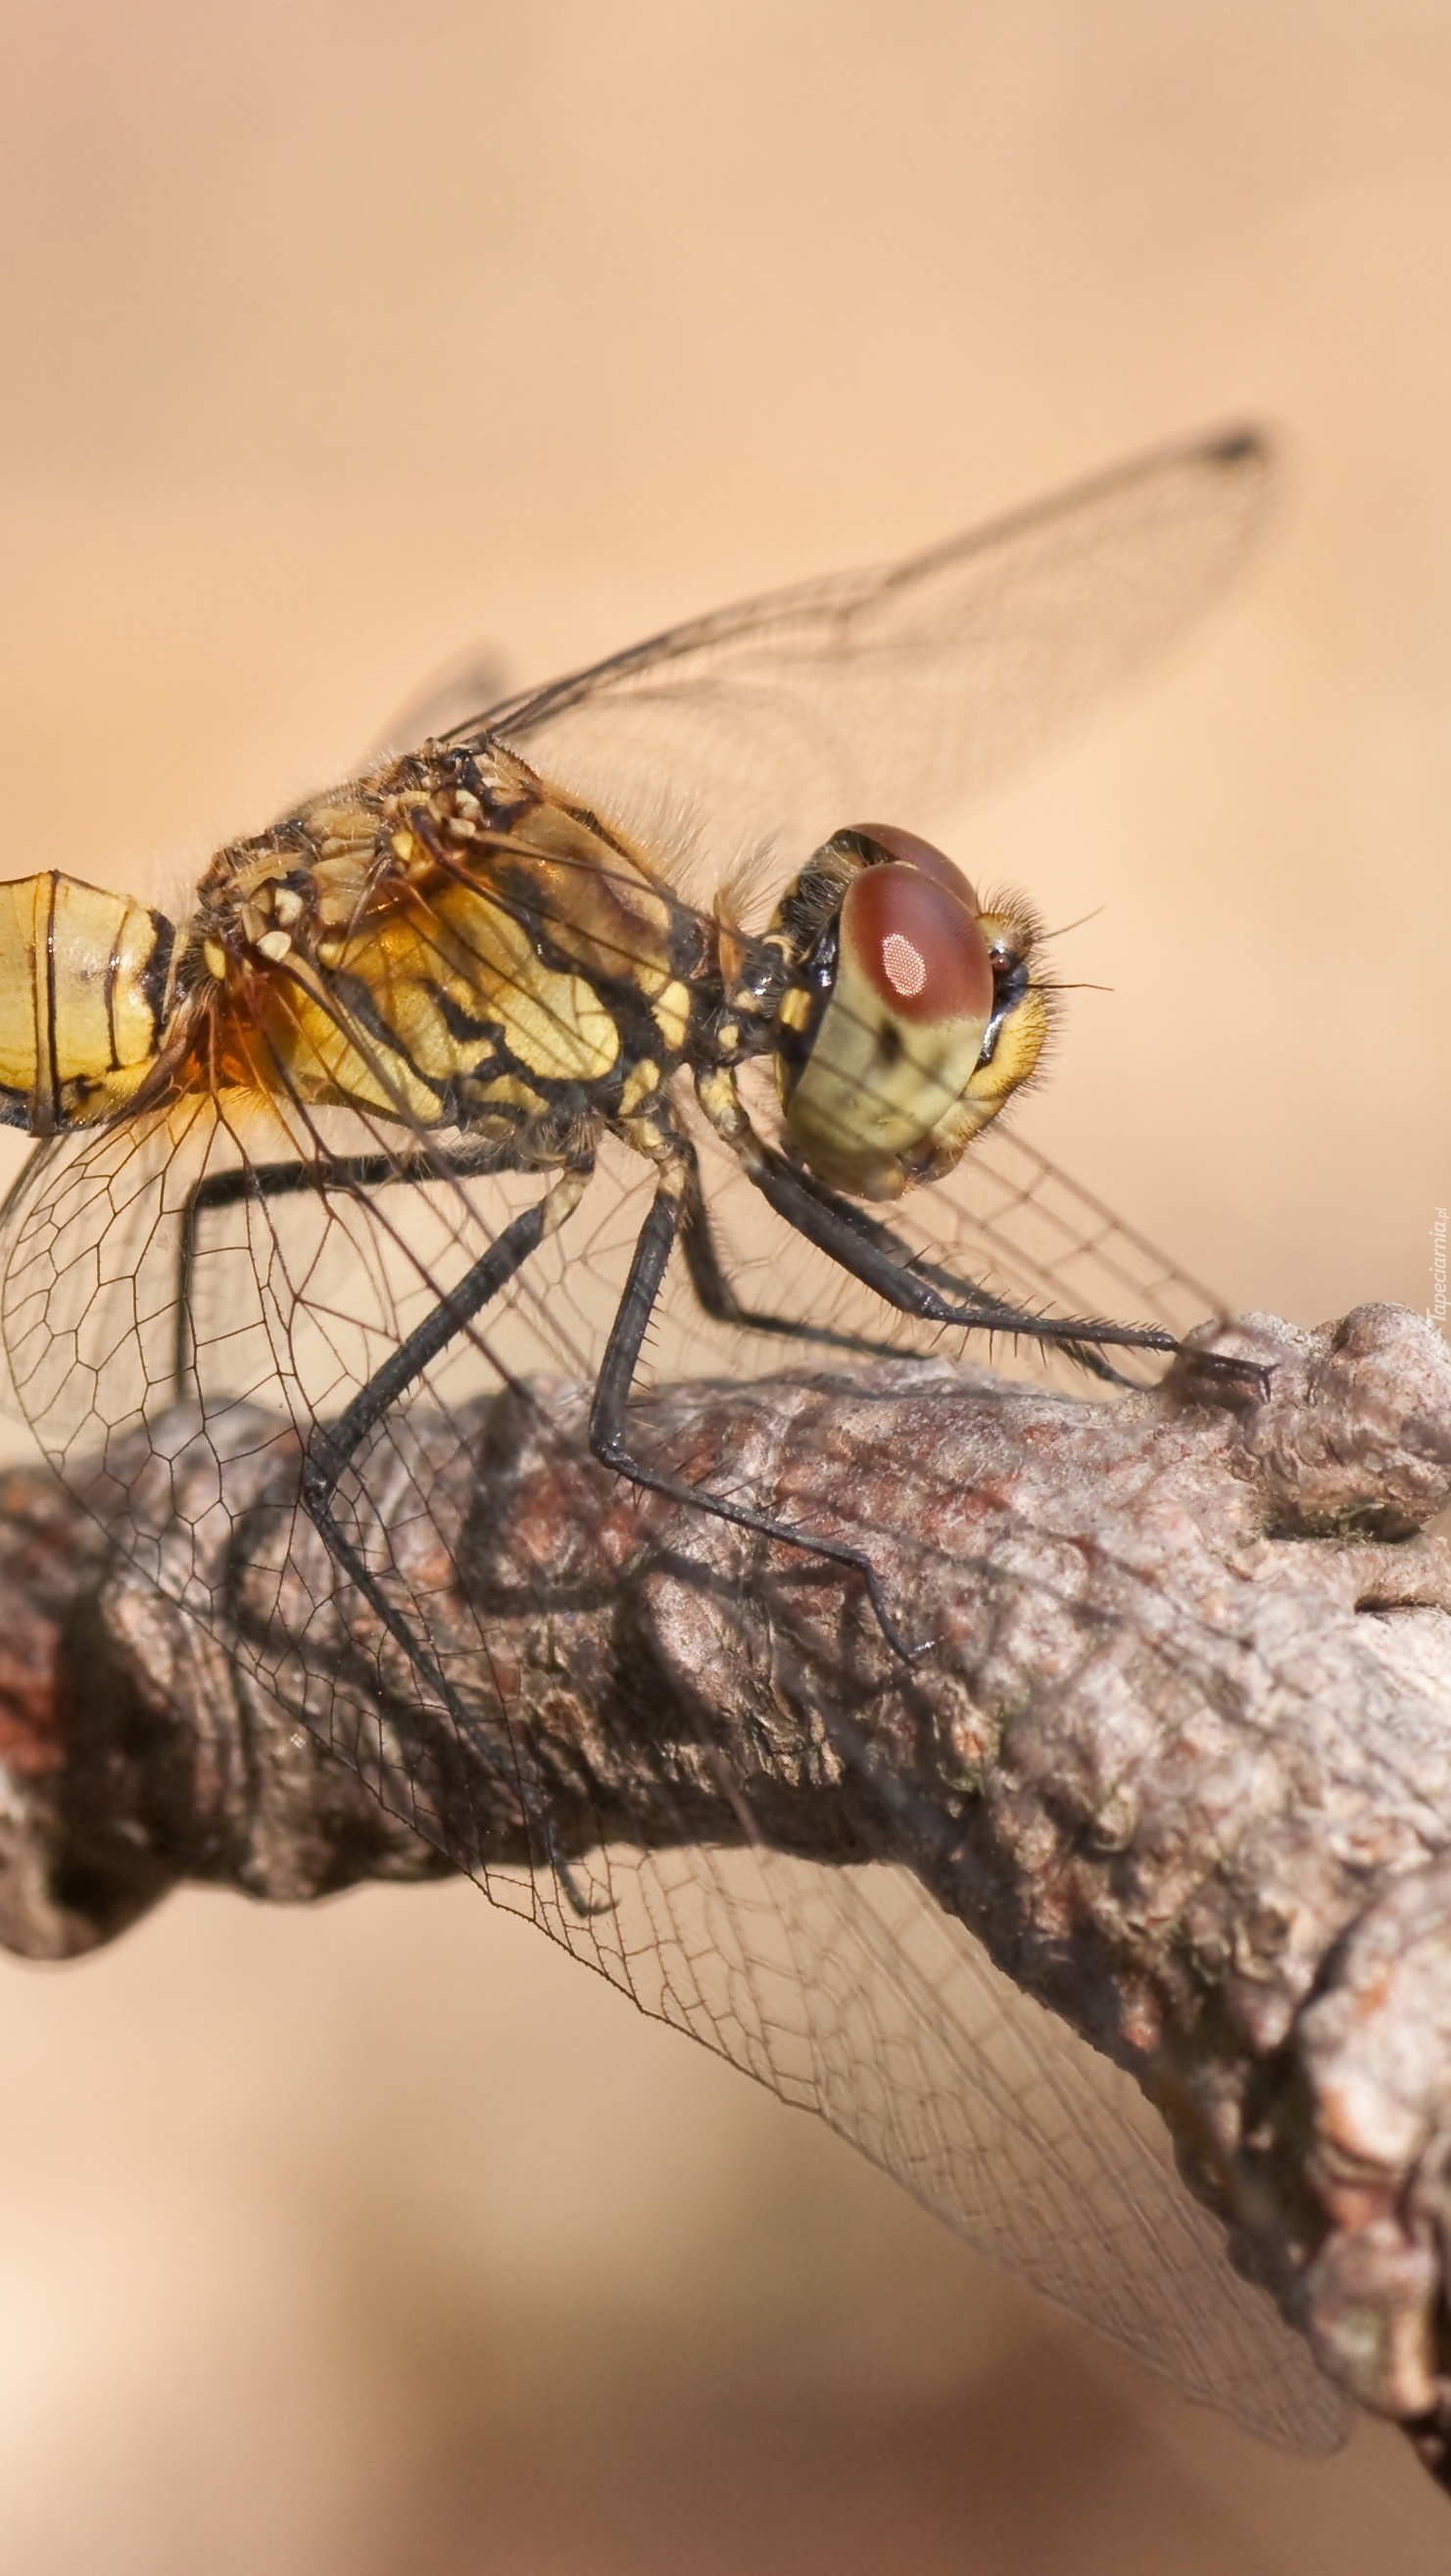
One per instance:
[(600, 1035)]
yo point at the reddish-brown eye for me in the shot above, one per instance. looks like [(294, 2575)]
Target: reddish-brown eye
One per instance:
[(912, 853), (917, 945)]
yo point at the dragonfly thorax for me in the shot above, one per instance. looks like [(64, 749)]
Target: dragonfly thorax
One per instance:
[(447, 945), (908, 1016)]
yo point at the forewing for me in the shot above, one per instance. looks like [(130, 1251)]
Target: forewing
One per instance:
[(889, 693)]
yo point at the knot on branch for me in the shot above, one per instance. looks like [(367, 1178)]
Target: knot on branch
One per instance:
[(1354, 1433), (1375, 2049)]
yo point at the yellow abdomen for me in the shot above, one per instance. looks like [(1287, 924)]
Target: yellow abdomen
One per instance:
[(85, 994)]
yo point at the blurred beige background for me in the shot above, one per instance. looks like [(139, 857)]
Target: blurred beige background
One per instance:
[(333, 335)]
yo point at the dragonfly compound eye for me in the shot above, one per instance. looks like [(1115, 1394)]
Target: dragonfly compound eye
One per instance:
[(878, 841), (916, 944), (85, 994), (887, 1089)]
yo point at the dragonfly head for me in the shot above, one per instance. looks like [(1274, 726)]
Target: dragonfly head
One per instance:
[(909, 1016), (86, 987)]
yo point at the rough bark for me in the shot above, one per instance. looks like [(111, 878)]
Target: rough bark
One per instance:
[(1174, 1739)]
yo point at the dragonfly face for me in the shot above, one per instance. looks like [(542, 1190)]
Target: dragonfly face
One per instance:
[(351, 1133), (910, 1014)]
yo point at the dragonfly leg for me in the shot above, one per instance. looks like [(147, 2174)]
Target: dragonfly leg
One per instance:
[(716, 1296), (333, 1445), (917, 1286), (976, 1305), (608, 1433), (912, 1282)]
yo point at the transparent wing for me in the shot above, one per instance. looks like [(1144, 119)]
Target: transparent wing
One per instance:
[(852, 1995), (844, 1990), (891, 692)]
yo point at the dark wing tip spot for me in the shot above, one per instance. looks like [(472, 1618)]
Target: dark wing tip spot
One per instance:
[(1243, 445)]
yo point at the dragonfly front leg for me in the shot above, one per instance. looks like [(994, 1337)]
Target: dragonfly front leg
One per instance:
[(913, 1283)]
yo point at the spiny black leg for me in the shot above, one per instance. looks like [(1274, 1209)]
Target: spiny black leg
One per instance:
[(963, 1292), (609, 1411), (969, 1305), (332, 1445), (860, 1246)]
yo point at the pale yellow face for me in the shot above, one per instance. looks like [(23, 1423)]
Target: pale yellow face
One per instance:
[(85, 995)]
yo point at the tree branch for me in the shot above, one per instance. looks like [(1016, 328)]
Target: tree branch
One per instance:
[(1175, 1744)]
